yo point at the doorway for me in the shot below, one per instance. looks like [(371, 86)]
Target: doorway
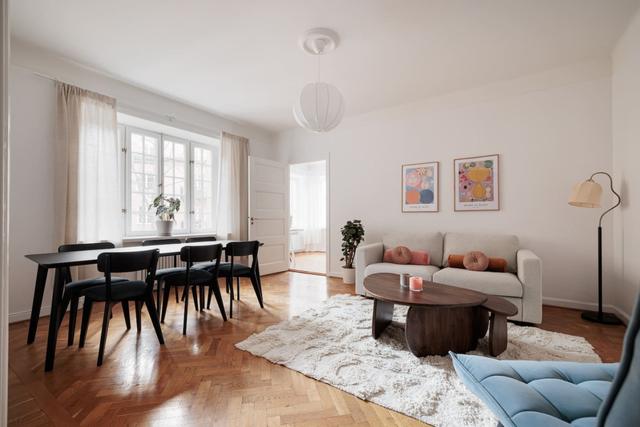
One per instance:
[(308, 217)]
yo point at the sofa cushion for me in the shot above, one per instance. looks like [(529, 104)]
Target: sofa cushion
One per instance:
[(424, 271), (500, 284), (530, 393), (427, 242), (493, 245)]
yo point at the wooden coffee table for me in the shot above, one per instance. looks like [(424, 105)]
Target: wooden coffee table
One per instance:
[(441, 318)]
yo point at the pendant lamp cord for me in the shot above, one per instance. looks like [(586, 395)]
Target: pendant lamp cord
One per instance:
[(612, 190)]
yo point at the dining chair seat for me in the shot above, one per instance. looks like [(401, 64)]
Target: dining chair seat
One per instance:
[(81, 285), (163, 272), (207, 265), (120, 291), (196, 277), (238, 269)]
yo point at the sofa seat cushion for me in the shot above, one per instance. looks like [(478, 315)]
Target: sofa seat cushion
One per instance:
[(424, 271), (488, 282), (530, 393)]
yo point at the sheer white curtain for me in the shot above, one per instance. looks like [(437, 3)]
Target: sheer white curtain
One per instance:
[(308, 206), (89, 190), (232, 208)]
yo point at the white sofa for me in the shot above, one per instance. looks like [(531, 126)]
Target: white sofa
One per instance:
[(521, 284)]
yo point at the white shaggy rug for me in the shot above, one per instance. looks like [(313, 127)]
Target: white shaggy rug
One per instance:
[(333, 343)]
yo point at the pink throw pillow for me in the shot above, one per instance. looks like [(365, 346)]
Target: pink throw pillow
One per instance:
[(419, 258), (397, 255), (475, 261)]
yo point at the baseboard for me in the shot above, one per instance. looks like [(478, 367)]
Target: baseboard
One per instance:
[(334, 274), (25, 315), (582, 305)]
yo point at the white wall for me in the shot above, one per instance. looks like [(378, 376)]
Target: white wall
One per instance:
[(551, 130), (33, 104), (626, 152)]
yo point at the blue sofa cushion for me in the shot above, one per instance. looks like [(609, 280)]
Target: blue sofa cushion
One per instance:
[(529, 393), (621, 407)]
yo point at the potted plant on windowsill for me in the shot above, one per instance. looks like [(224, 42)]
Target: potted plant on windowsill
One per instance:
[(352, 235), (166, 208)]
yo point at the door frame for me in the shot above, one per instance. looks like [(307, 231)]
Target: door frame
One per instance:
[(327, 181)]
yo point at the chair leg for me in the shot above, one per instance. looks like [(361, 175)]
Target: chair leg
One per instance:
[(153, 314), (201, 297), (215, 289), (165, 303), (73, 314), (194, 292), (86, 315), (256, 288), (105, 331), (138, 305), (159, 296), (125, 310), (238, 285), (230, 287), (185, 294), (176, 292), (209, 297)]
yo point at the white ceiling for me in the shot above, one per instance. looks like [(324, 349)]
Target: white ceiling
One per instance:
[(240, 58)]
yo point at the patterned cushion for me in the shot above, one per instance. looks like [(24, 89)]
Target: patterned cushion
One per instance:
[(528, 393)]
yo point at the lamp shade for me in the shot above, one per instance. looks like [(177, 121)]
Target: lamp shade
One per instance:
[(319, 108), (587, 194)]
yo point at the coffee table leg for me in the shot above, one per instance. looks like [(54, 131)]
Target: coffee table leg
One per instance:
[(382, 316), (497, 334)]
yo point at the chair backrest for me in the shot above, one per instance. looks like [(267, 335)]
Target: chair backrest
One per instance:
[(201, 239), (126, 262), (242, 249), (85, 246), (156, 242), (621, 408), (200, 253)]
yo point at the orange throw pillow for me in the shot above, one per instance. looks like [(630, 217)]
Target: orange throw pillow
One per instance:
[(419, 258), (475, 261), (455, 261), (499, 265)]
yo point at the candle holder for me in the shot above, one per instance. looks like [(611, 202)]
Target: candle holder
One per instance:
[(404, 280), (415, 283)]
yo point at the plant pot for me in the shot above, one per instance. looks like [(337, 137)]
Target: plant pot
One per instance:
[(348, 275), (164, 227)]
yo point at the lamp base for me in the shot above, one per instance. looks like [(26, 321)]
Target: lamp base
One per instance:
[(604, 318)]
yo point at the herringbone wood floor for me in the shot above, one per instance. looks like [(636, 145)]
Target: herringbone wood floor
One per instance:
[(201, 379)]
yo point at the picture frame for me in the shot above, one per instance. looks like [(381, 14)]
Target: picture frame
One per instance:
[(476, 182), (420, 187)]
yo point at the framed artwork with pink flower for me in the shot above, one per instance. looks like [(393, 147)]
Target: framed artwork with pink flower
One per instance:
[(420, 183), (476, 181)]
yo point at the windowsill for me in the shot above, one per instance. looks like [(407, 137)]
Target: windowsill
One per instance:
[(137, 239)]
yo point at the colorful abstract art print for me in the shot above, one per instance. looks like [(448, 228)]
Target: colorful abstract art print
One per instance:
[(477, 183), (420, 183)]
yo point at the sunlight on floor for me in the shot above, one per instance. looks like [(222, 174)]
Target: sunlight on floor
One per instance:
[(313, 262)]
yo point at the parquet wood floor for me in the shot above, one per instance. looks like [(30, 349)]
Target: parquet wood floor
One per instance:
[(201, 379)]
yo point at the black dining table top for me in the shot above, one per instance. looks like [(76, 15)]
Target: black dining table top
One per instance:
[(65, 259)]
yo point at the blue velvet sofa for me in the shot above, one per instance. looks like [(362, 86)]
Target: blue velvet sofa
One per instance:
[(559, 394)]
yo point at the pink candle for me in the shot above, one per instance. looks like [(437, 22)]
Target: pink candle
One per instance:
[(415, 283)]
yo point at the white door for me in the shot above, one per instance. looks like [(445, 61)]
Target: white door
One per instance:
[(269, 212)]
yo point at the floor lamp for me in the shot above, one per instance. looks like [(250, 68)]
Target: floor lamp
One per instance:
[(587, 195)]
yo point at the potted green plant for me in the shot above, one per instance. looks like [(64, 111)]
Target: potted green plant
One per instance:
[(166, 208), (352, 235)]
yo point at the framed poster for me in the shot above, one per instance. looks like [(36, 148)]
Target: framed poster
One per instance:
[(420, 184), (477, 183)]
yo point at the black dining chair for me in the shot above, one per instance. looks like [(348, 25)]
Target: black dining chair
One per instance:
[(162, 272), (196, 278), (74, 289), (111, 293), (233, 251)]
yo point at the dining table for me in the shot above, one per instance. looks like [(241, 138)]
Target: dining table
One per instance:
[(60, 260)]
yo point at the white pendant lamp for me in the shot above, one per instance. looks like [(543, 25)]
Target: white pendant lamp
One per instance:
[(320, 106)]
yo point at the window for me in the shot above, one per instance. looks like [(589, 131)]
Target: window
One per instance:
[(178, 167)]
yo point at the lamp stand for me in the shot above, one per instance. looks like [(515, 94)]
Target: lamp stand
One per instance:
[(599, 316)]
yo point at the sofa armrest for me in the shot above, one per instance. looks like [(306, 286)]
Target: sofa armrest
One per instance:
[(530, 274), (365, 255)]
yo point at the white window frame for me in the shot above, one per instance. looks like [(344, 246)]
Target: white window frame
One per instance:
[(187, 204)]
